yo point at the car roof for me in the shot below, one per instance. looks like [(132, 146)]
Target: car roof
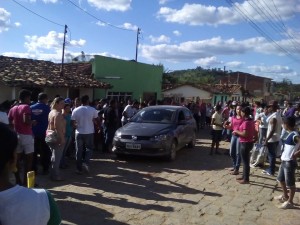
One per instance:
[(175, 107)]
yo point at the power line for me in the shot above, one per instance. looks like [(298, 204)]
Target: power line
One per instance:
[(102, 21), (38, 14), (278, 29), (258, 29)]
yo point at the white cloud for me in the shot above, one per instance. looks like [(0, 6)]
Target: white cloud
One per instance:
[(198, 14), (207, 62), (234, 64), (51, 41), (129, 26), (177, 33), (111, 5), (275, 72), (17, 24), (160, 39), (193, 50), (162, 2), (101, 24), (56, 55), (4, 20)]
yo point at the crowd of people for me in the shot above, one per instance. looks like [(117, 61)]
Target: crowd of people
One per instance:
[(268, 125), (50, 132)]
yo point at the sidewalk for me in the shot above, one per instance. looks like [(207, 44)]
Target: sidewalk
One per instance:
[(194, 189)]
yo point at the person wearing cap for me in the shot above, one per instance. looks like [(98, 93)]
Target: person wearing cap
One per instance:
[(68, 101), (274, 122), (40, 112)]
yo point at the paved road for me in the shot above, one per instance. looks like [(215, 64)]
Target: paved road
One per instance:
[(195, 189)]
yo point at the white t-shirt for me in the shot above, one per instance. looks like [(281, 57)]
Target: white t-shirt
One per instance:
[(3, 118), (20, 205), (263, 118), (277, 132), (290, 146), (130, 111), (218, 119), (84, 115)]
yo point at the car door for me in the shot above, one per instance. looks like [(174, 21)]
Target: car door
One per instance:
[(190, 125), (181, 128)]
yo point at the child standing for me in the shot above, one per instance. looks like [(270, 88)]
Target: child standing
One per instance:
[(286, 174)]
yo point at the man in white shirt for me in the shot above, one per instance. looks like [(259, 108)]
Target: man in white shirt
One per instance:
[(273, 136), (83, 119), (129, 111)]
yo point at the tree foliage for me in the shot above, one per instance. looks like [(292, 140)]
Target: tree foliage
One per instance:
[(193, 76)]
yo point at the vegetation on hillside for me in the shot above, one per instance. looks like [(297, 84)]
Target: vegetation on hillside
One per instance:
[(200, 76)]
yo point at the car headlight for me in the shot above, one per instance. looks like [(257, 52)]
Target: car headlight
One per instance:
[(118, 134), (162, 137)]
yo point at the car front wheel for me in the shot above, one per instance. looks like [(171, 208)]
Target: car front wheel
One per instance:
[(193, 141), (172, 152)]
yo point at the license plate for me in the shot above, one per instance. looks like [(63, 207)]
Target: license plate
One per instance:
[(133, 146)]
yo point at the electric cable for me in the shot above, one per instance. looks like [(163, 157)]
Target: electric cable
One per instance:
[(102, 21), (38, 14), (259, 30)]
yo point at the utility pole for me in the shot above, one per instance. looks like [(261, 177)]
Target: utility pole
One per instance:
[(63, 52), (137, 43)]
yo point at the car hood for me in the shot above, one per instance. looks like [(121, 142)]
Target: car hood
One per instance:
[(145, 129)]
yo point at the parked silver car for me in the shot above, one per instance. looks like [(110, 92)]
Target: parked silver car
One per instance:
[(156, 131)]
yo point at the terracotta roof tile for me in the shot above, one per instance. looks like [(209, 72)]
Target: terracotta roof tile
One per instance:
[(35, 73)]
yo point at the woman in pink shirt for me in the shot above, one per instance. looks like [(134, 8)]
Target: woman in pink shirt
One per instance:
[(234, 123), (246, 132)]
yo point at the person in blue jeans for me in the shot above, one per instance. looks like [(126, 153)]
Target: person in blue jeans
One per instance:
[(83, 119), (273, 136), (234, 124)]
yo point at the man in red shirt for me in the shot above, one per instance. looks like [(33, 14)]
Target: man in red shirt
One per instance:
[(20, 120)]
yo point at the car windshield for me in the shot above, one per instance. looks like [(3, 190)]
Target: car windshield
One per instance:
[(154, 116)]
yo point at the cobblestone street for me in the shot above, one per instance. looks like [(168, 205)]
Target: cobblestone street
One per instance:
[(194, 189)]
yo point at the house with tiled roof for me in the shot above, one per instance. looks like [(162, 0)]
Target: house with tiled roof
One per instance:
[(72, 80), (207, 93), (252, 85)]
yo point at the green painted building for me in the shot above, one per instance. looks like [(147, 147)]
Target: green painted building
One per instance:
[(129, 79)]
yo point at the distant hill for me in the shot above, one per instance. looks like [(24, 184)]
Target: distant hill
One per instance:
[(200, 76), (196, 76)]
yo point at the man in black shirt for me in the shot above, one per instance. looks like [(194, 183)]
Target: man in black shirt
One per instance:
[(110, 125)]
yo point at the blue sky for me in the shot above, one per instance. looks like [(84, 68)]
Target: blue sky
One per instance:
[(261, 37)]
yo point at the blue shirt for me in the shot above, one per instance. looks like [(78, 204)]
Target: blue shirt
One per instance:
[(40, 112)]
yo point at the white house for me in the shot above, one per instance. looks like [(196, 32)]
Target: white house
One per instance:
[(188, 92)]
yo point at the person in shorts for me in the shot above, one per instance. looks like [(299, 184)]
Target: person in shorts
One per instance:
[(217, 127), (286, 174), (20, 120)]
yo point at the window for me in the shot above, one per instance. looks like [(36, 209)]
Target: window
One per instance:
[(119, 96)]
